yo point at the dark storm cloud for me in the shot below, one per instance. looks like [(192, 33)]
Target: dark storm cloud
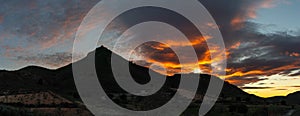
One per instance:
[(231, 14), (258, 54), (275, 53), (271, 53)]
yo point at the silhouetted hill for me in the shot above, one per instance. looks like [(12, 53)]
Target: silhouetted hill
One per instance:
[(37, 78), (290, 99), (61, 81), (293, 98)]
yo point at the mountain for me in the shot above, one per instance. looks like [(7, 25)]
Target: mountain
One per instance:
[(291, 99), (60, 82)]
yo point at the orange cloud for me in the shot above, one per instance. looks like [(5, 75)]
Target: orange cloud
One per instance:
[(205, 61), (237, 22), (170, 61), (250, 13), (295, 54), (193, 42), (236, 45), (292, 54), (263, 71), (242, 74)]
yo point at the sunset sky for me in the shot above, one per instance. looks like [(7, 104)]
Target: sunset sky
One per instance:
[(262, 39)]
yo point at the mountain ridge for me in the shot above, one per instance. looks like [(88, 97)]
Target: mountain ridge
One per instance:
[(42, 78), (61, 81), (103, 50)]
